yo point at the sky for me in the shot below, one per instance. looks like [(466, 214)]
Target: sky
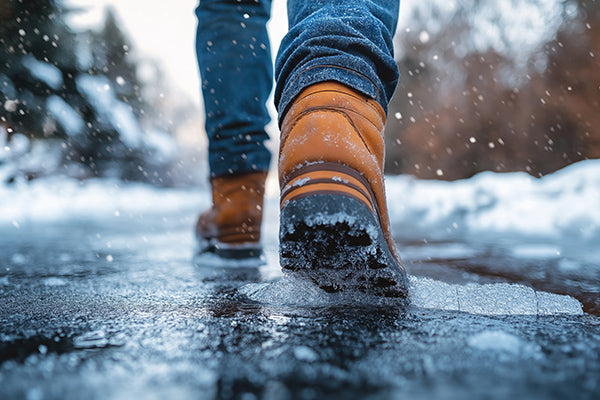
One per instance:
[(164, 31)]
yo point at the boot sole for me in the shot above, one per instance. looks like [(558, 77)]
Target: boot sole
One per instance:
[(336, 241), (212, 252)]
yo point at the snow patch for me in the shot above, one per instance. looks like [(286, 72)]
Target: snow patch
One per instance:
[(18, 145), (66, 116), (563, 203), (57, 198), (45, 72), (301, 182)]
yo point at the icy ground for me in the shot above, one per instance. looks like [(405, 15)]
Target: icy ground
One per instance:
[(100, 299)]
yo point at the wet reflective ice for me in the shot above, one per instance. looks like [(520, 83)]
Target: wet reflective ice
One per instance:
[(115, 308)]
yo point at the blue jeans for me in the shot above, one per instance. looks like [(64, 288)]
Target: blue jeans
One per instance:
[(348, 41)]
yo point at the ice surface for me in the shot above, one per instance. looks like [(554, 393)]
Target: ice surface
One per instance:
[(445, 251), (91, 340), (59, 199), (45, 72), (211, 260), (489, 299), (150, 324)]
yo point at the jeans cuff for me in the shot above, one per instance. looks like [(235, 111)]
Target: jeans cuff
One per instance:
[(327, 73)]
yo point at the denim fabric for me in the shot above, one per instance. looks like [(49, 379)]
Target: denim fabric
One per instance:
[(348, 41), (234, 58)]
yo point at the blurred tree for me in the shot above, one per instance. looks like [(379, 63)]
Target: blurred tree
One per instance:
[(462, 108), (111, 52), (81, 90), (28, 33)]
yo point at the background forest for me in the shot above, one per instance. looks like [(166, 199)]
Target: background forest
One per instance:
[(475, 94)]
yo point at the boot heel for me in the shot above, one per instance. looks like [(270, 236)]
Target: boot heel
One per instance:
[(337, 242)]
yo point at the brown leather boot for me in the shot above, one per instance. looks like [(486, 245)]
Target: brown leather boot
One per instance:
[(334, 226), (231, 227)]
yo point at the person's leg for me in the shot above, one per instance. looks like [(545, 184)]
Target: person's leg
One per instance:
[(236, 71), (346, 41), (335, 76), (234, 59)]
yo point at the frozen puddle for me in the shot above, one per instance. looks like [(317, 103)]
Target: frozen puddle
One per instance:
[(488, 299)]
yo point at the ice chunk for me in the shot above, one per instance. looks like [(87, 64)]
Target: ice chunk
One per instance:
[(45, 72), (488, 299), (497, 299), (500, 341), (563, 203), (430, 293), (66, 116), (552, 304)]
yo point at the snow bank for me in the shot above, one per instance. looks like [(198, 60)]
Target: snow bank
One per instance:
[(58, 198), (564, 203)]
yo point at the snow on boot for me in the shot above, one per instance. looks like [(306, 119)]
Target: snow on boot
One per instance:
[(334, 224), (228, 233)]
